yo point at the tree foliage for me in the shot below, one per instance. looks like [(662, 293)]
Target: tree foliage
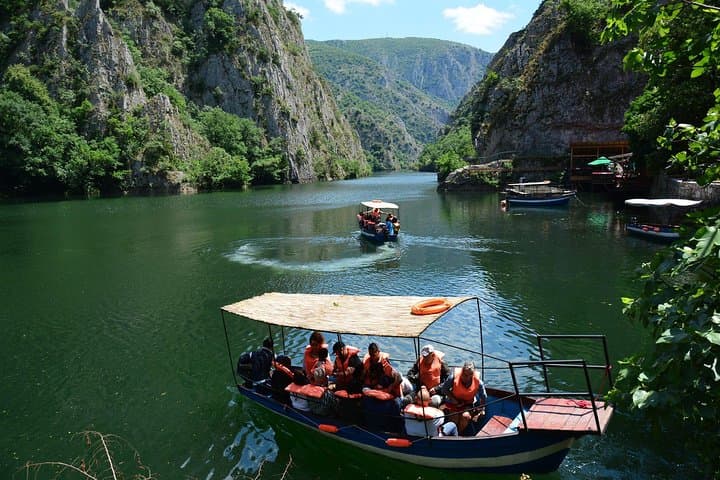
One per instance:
[(678, 380), (40, 148), (244, 142), (449, 153)]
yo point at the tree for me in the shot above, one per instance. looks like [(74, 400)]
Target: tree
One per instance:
[(449, 152), (677, 382)]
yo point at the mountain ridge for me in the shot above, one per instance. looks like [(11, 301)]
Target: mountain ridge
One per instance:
[(382, 88)]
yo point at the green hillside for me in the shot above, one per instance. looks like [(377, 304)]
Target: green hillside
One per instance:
[(397, 93)]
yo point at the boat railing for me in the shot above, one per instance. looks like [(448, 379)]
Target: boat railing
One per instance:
[(607, 367), (545, 364)]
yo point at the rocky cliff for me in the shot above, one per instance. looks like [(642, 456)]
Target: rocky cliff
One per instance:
[(160, 63), (444, 70), (549, 86)]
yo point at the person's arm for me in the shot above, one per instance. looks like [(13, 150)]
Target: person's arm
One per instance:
[(354, 365), (481, 395), (444, 372), (413, 373), (444, 388)]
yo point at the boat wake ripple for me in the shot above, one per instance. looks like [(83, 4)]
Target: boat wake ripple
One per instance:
[(468, 244), (315, 254)]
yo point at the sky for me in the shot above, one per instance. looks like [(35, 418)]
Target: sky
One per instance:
[(484, 24)]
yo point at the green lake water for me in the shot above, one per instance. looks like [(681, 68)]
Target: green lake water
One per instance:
[(111, 315)]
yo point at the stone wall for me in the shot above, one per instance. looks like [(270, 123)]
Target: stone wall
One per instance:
[(675, 188)]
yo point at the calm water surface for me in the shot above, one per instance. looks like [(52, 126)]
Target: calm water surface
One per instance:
[(111, 322)]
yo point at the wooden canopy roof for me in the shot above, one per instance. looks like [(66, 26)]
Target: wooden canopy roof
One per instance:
[(386, 316)]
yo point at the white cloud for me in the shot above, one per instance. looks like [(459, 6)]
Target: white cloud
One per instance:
[(339, 6), (302, 11), (477, 20)]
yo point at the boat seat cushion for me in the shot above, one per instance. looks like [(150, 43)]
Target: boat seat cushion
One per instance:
[(310, 391), (345, 394), (377, 394)]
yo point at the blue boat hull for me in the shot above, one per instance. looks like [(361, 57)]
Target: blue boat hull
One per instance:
[(514, 452), (655, 233), (378, 238), (539, 202)]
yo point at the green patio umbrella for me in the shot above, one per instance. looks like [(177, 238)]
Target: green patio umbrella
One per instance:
[(600, 161)]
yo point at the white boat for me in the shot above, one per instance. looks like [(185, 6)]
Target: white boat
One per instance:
[(373, 223), (529, 424), (665, 211)]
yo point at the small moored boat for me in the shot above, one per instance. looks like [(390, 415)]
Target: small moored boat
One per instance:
[(537, 194), (665, 211), (529, 424), (378, 221)]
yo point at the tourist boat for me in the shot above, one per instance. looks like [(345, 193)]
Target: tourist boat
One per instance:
[(666, 211), (529, 424), (537, 194), (372, 220)]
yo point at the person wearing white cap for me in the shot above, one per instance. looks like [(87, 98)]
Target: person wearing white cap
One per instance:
[(429, 370)]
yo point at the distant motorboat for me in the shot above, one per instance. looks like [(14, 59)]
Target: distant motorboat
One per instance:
[(537, 194), (378, 221)]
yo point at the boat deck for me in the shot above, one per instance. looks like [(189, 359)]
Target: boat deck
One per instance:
[(567, 415)]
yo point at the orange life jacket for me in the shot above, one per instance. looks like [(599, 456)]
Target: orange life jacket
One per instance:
[(387, 368), (311, 358), (419, 411), (462, 393), (282, 368), (378, 394), (430, 375), (341, 365)]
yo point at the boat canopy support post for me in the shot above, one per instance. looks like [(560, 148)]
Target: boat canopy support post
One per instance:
[(227, 342), (482, 343)]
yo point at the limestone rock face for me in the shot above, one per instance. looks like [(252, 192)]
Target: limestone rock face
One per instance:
[(549, 87), (262, 72)]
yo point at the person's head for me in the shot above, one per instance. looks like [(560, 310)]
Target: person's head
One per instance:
[(468, 370), (427, 353), (316, 340), (283, 360), (339, 349), (268, 343), (374, 352), (423, 396), (322, 354)]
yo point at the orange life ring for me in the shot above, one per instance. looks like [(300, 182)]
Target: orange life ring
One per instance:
[(430, 307)]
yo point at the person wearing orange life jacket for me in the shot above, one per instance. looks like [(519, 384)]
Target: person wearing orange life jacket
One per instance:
[(322, 369), (375, 357), (430, 371), (378, 373), (317, 341), (465, 396), (347, 368)]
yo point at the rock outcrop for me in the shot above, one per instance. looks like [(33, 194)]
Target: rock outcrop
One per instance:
[(260, 70), (549, 87)]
